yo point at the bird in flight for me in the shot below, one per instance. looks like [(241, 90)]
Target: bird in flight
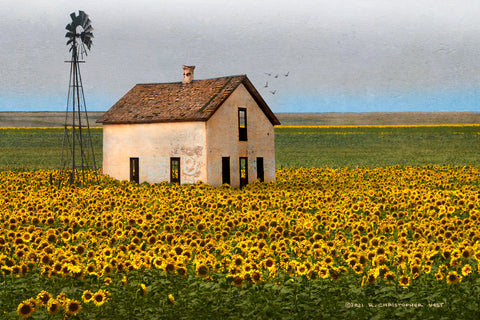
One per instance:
[(286, 74), (273, 92), (266, 84), (268, 74), (276, 76)]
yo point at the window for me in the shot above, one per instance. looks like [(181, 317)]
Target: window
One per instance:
[(175, 170), (226, 170), (260, 171), (242, 124), (134, 176), (243, 171)]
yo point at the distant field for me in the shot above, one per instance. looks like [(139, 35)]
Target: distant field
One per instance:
[(40, 119), (49, 119), (379, 118)]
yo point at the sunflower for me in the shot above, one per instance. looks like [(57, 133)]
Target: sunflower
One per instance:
[(87, 296), (269, 263), (170, 266), (238, 260), (72, 307), (390, 276), (439, 275), (466, 270), (182, 271), (100, 297), (144, 289), (415, 269), (25, 309), (427, 269), (453, 277), (358, 268), (202, 270), (256, 276), (43, 297), (466, 253), (323, 272), (301, 269), (237, 281), (328, 260), (404, 281), (53, 306), (171, 299)]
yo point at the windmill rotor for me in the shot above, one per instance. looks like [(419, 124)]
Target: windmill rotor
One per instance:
[(79, 31)]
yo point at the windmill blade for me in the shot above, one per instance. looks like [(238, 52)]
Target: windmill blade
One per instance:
[(82, 15), (88, 29), (70, 27), (73, 16), (87, 34), (87, 41), (86, 22)]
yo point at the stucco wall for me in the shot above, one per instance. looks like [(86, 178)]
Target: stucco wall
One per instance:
[(154, 144), (223, 140)]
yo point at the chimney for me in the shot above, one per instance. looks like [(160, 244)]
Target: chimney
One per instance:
[(187, 74)]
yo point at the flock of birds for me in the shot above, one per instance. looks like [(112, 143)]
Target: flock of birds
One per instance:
[(274, 76)]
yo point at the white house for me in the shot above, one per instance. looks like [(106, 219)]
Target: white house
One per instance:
[(215, 130)]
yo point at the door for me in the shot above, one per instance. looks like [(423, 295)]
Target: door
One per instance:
[(175, 170), (243, 171), (226, 170), (260, 171), (134, 175)]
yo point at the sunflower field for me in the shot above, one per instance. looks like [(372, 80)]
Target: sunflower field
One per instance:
[(320, 243)]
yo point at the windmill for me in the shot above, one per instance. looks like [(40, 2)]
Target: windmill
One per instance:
[(78, 159)]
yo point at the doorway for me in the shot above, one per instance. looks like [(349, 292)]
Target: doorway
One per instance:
[(175, 170), (226, 170), (243, 171)]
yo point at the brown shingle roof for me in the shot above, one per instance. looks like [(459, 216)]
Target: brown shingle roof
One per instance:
[(169, 102)]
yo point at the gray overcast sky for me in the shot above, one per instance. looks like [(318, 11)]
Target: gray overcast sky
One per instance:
[(344, 55)]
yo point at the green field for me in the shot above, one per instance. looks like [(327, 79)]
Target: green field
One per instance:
[(335, 147), (377, 146), (31, 148)]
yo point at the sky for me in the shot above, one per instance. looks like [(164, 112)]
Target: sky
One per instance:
[(302, 56)]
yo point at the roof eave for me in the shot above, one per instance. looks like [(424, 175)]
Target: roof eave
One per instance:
[(261, 103), (256, 96)]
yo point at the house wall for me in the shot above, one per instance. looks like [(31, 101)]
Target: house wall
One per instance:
[(223, 140), (154, 144)]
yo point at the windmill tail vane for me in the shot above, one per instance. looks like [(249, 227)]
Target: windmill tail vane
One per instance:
[(78, 159)]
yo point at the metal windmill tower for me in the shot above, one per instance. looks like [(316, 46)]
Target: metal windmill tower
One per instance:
[(78, 159)]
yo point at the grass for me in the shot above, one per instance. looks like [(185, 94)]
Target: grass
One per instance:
[(38, 148), (218, 299), (335, 147), (377, 146)]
